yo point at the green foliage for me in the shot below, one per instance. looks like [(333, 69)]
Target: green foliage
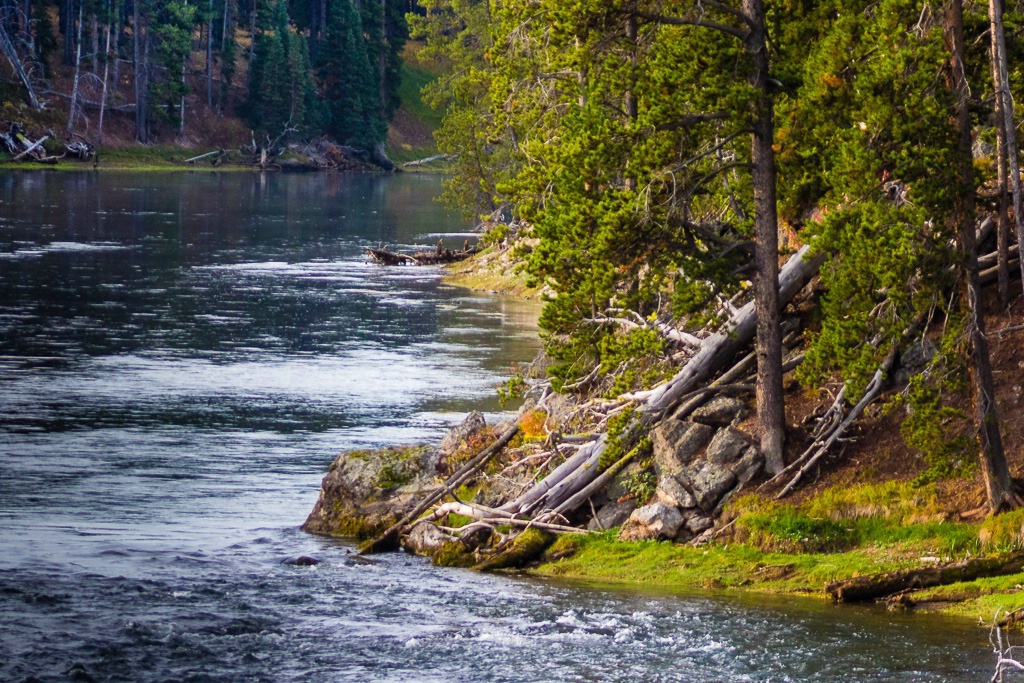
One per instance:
[(938, 429), (871, 84), (1005, 532), (642, 483), (512, 390), (171, 30), (281, 89), (633, 358), (618, 434)]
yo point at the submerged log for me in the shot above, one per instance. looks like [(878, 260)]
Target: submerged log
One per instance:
[(867, 588)]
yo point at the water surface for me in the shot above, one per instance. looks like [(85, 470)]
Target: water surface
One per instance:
[(181, 356)]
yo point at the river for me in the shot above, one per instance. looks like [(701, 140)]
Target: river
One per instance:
[(182, 355)]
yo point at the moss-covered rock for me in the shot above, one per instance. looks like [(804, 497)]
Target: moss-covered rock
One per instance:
[(364, 492)]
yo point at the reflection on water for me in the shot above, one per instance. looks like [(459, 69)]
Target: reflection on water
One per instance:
[(181, 355)]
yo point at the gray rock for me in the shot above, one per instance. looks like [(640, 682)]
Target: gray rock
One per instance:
[(696, 522), (652, 522), (708, 483), (748, 466), (616, 488), (720, 411), (915, 359), (671, 492), (726, 447), (676, 443), (302, 561), (612, 515), (424, 538), (458, 435)]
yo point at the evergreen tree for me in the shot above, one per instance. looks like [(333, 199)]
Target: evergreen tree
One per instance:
[(350, 85)]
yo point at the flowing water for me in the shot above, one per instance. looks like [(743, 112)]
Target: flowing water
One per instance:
[(181, 356)]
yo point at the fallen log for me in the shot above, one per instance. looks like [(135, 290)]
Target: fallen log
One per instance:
[(867, 588), (31, 148), (717, 349)]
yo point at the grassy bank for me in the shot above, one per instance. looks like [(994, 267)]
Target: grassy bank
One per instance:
[(133, 158), (799, 549), (493, 270)]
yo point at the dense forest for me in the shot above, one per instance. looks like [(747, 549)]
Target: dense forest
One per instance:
[(291, 69), (654, 161)]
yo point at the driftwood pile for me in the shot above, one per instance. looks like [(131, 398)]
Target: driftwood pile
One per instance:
[(23, 148), (439, 256)]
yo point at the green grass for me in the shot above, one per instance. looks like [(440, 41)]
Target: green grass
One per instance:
[(840, 534), (602, 557), (134, 158)]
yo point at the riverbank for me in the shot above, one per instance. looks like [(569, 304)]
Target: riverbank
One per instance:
[(769, 549), (867, 512)]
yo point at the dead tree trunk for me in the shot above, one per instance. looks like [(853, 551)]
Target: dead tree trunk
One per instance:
[(209, 56), (1004, 112), (11, 53), (103, 96), (78, 67), (866, 588), (998, 55), (141, 84)]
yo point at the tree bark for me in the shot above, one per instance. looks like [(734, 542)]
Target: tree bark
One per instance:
[(996, 472), (78, 66), (771, 415), (103, 97), (141, 125), (1004, 112), (998, 61), (209, 55)]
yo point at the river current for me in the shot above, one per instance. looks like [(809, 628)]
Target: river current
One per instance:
[(182, 355)]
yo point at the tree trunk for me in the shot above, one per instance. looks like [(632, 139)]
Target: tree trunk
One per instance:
[(998, 484), (103, 97), (7, 47), (67, 24), (209, 56), (998, 63), (78, 66), (1004, 112), (771, 415)]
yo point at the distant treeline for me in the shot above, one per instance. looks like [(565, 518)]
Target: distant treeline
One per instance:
[(311, 66)]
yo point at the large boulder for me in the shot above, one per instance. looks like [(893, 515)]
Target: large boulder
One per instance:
[(458, 437), (708, 483), (424, 539), (748, 466), (725, 448), (671, 492), (676, 443), (612, 515), (364, 492), (720, 411), (656, 521)]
